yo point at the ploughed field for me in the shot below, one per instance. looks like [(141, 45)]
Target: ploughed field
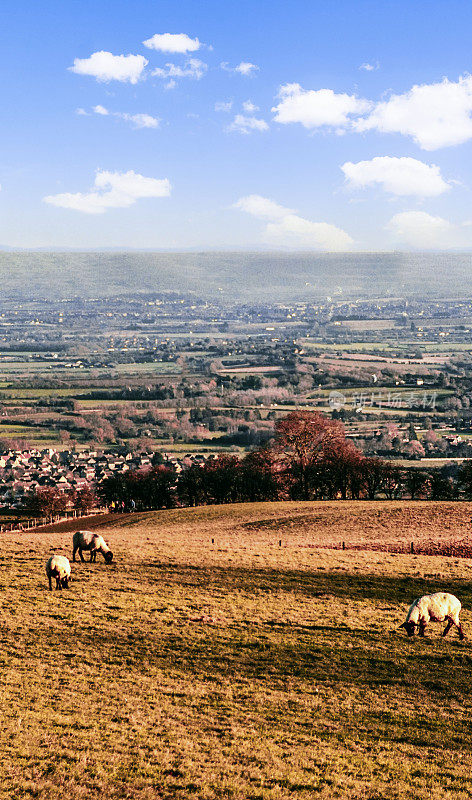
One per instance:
[(261, 665)]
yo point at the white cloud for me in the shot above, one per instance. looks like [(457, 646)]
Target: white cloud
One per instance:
[(224, 106), (262, 207), (137, 120), (244, 68), (106, 67), (288, 229), (245, 124), (142, 120), (112, 190), (172, 43), (434, 115), (315, 108), (81, 112), (249, 107), (422, 231), (399, 176), (299, 232), (370, 67), (193, 68)]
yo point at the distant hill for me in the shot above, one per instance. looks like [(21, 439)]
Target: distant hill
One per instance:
[(244, 277)]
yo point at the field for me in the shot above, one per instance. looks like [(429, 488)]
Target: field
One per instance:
[(229, 652)]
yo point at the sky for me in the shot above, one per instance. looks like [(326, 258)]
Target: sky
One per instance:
[(310, 125)]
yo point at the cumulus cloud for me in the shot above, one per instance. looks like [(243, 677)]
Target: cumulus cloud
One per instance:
[(224, 106), (112, 190), (262, 207), (244, 68), (434, 115), (370, 67), (141, 120), (106, 67), (244, 124), (399, 176), (316, 108), (286, 228), (137, 120), (249, 107), (422, 231), (193, 68), (172, 43)]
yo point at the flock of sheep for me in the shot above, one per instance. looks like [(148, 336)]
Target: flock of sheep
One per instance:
[(58, 567), (437, 607)]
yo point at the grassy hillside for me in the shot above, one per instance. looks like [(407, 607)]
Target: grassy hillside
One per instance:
[(238, 669)]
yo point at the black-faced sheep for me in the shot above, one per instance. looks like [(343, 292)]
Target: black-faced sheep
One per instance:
[(88, 540), (58, 567), (433, 608)]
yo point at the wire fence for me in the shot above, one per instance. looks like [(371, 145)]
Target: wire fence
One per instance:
[(461, 548), (39, 522)]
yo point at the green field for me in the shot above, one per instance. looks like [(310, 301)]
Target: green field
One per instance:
[(238, 668)]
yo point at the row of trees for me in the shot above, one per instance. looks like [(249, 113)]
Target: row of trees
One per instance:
[(309, 458)]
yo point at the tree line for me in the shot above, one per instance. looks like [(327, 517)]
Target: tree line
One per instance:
[(309, 458)]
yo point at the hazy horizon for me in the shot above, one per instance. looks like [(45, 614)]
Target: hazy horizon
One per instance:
[(231, 276)]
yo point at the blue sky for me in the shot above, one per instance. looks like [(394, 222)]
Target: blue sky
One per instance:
[(303, 125)]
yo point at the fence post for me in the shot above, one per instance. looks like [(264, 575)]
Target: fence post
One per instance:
[(412, 549)]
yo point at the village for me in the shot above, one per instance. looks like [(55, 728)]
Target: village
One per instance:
[(68, 471)]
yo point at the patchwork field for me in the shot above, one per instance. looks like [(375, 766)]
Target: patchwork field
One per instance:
[(228, 653)]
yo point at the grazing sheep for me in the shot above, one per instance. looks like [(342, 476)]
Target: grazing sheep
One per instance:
[(433, 608), (87, 540), (58, 567)]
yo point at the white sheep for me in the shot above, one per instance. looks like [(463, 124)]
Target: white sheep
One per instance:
[(433, 608), (58, 567), (88, 540)]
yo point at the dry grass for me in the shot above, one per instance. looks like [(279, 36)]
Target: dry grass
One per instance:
[(240, 669)]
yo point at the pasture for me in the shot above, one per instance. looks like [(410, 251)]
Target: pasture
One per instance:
[(242, 668)]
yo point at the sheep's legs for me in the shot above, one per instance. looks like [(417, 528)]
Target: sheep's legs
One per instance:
[(422, 629), (448, 627), (461, 632)]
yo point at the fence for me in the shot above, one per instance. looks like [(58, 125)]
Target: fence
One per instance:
[(38, 522), (458, 549)]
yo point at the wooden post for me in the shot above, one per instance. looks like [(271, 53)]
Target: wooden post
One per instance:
[(412, 549), (213, 541), (280, 542), (344, 545)]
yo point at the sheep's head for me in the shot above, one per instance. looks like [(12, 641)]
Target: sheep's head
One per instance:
[(410, 628), (108, 557)]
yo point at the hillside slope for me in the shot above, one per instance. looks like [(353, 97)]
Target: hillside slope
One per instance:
[(238, 668)]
